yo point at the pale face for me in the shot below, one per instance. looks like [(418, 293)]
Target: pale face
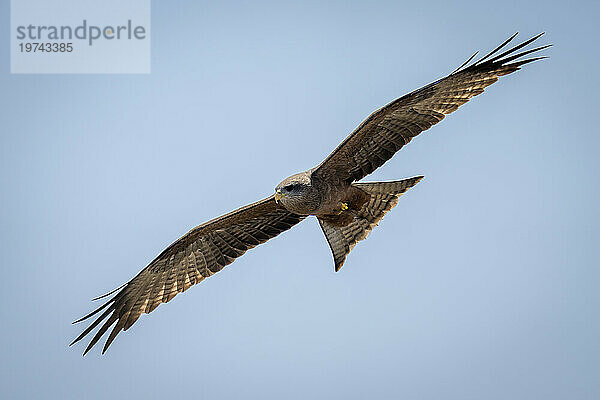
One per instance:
[(294, 193)]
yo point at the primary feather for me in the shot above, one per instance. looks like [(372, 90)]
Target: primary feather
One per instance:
[(388, 129), (199, 254)]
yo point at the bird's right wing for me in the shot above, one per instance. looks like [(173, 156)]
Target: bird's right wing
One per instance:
[(200, 253), (388, 129)]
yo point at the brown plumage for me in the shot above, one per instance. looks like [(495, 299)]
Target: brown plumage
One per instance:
[(381, 198), (347, 211), (203, 251), (388, 129)]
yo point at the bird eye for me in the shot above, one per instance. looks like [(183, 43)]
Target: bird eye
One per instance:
[(289, 188)]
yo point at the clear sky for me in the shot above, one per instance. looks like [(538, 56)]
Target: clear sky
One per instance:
[(481, 284)]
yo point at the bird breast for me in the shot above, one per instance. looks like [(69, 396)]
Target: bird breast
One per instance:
[(305, 203)]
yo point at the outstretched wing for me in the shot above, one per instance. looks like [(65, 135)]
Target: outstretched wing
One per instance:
[(200, 253), (388, 129)]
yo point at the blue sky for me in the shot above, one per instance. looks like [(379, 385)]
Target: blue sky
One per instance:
[(481, 283)]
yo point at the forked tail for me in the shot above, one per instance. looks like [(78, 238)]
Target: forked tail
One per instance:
[(384, 196)]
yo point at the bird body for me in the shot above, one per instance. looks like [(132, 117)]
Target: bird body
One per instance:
[(307, 195), (347, 210)]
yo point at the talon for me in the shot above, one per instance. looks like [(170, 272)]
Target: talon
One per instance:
[(343, 207)]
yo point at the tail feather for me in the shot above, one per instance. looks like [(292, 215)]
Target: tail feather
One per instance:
[(384, 196), (396, 188)]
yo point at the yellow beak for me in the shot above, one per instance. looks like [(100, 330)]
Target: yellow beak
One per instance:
[(278, 196)]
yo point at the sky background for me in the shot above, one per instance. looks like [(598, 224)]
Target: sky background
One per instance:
[(481, 284)]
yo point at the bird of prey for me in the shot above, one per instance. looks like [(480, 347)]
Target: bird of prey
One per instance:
[(347, 210)]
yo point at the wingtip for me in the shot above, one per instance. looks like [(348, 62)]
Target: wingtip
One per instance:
[(519, 64), (77, 339), (465, 63), (537, 36), (109, 293), (88, 348)]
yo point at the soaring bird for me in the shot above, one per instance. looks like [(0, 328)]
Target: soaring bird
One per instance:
[(347, 210)]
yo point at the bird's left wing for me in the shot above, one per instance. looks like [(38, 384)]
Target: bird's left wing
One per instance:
[(388, 129), (200, 253)]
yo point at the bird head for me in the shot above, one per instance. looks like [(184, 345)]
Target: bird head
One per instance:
[(292, 189)]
